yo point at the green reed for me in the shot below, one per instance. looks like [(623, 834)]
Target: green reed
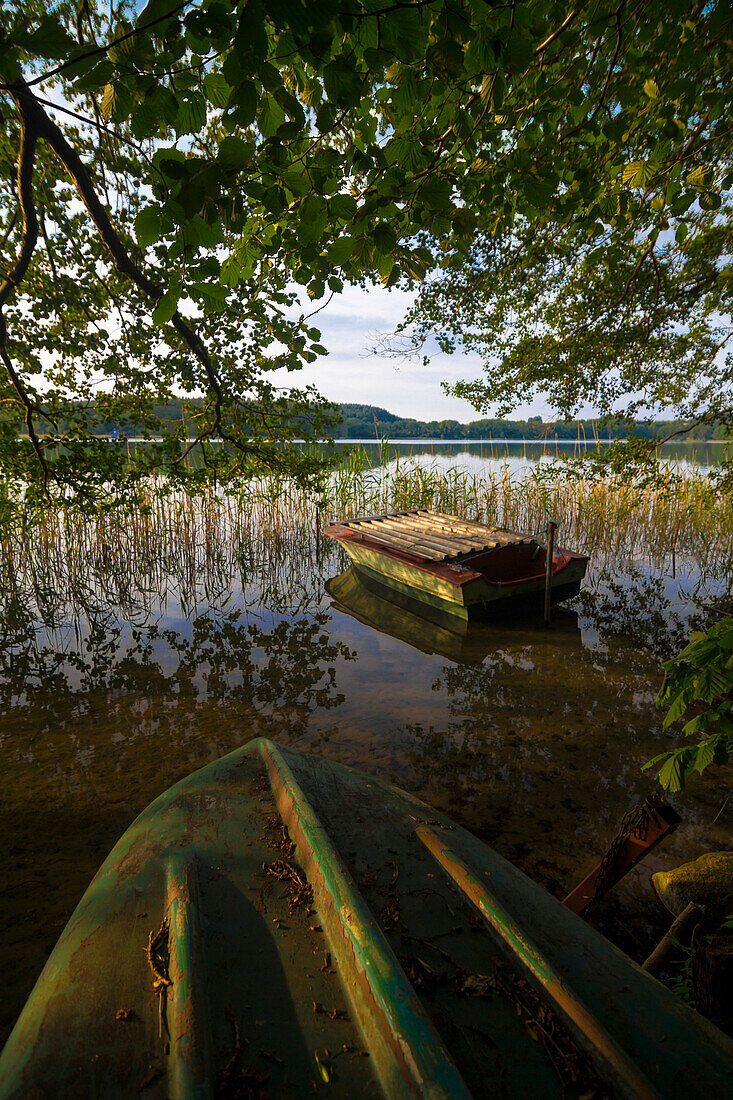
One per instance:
[(194, 548)]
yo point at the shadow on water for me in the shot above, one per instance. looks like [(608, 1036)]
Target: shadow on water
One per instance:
[(531, 737)]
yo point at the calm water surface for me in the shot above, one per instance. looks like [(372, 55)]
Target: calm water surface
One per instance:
[(532, 737), (478, 456)]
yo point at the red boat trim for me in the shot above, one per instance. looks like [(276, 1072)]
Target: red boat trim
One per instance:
[(538, 967), (661, 821), (458, 573), (560, 563)]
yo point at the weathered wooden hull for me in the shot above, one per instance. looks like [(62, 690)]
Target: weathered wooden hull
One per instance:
[(410, 620), (405, 939), (462, 592)]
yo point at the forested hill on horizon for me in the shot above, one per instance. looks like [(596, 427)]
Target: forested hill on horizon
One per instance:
[(372, 421)]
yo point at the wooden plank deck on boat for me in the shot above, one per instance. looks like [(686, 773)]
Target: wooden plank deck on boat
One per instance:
[(455, 565)]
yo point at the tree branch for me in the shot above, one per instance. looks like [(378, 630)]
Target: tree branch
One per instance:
[(556, 33), (33, 115), (100, 49), (26, 159)]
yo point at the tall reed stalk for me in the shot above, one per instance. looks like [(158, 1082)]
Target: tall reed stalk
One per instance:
[(195, 547)]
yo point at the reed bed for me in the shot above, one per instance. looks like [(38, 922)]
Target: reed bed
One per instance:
[(196, 549)]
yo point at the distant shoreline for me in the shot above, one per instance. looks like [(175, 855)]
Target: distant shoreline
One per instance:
[(455, 442)]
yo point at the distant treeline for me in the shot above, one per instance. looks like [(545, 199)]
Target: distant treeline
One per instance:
[(374, 422), (370, 421)]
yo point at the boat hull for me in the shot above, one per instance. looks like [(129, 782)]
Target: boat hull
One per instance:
[(408, 941), (466, 593)]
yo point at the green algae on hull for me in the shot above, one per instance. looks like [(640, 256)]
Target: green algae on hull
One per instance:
[(266, 985)]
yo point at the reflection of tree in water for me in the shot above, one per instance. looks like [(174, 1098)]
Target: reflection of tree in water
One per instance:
[(542, 751), (280, 671), (654, 612)]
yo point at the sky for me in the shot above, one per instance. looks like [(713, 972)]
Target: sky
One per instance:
[(352, 373)]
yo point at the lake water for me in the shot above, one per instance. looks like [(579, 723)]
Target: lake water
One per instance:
[(480, 455), (532, 737)]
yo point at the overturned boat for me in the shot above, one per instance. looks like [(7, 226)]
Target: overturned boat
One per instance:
[(281, 925), (456, 566)]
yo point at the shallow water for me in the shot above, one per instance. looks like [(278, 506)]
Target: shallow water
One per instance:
[(531, 737)]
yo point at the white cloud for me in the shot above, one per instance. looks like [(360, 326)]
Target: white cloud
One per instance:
[(350, 325)]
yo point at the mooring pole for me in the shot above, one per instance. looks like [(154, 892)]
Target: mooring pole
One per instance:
[(551, 528)]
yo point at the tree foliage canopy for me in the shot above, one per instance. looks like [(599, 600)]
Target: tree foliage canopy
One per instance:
[(611, 284), (210, 165)]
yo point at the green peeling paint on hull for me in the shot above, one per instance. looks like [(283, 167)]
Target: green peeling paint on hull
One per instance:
[(473, 599), (313, 928)]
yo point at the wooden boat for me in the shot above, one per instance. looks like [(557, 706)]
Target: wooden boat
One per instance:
[(463, 641), (279, 925), (465, 569)]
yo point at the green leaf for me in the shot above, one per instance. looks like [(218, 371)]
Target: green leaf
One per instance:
[(155, 9), (413, 265), (537, 191), (116, 102), (342, 83), (445, 58), (464, 222), (213, 295), (119, 52), (436, 193), (156, 111), (343, 207), (166, 307), (384, 267), (672, 773), (250, 40), (317, 289), (498, 90), (676, 709), (97, 77), (191, 117), (148, 226), (638, 173), (203, 233), (384, 239), (362, 253), (231, 272), (270, 116), (705, 754), (340, 250), (700, 178), (217, 90), (480, 55), (234, 153), (49, 40), (109, 98), (520, 51), (710, 200), (245, 100)]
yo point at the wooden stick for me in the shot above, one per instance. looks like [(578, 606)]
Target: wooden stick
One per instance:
[(670, 943), (551, 528)]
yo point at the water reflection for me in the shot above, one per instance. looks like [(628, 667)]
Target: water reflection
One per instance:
[(282, 670), (145, 669), (521, 454), (432, 631)]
